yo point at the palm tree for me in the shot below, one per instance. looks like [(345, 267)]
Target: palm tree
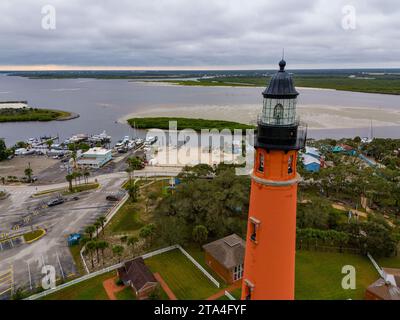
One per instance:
[(90, 247), (89, 230), (74, 157), (49, 143), (86, 175), (102, 245), (78, 174), (28, 173), (69, 178), (133, 191), (102, 220), (129, 171), (118, 250), (97, 225)]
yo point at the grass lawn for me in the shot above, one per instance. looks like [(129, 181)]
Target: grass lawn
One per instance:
[(237, 293), (127, 218), (126, 294), (65, 191), (319, 275), (33, 235), (133, 215), (198, 255), (82, 187), (91, 289), (393, 262), (75, 252), (184, 279)]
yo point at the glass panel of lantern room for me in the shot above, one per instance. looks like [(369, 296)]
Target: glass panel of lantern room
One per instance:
[(279, 111)]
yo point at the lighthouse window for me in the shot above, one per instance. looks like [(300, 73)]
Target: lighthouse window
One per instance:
[(278, 113), (254, 223), (290, 165), (249, 289), (261, 163)]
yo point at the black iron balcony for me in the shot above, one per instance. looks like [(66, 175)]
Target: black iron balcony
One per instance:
[(281, 137)]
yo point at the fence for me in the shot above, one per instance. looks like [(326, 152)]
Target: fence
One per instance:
[(75, 281), (200, 267), (317, 247), (116, 266), (230, 297)]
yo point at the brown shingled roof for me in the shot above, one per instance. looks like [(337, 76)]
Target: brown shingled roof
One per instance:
[(137, 273), (228, 251)]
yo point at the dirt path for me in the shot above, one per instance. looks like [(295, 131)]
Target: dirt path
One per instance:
[(111, 288), (165, 287)]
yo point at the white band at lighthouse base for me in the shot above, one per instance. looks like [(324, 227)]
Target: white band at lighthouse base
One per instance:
[(267, 182)]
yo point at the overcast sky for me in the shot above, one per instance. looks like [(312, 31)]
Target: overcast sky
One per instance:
[(204, 34)]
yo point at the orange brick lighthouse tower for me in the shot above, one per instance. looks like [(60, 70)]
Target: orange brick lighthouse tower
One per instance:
[(269, 264)]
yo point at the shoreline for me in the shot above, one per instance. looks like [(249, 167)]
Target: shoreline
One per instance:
[(316, 116)]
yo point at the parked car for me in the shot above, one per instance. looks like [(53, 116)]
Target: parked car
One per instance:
[(55, 202), (112, 198)]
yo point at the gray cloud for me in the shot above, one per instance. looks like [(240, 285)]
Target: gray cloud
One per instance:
[(200, 33)]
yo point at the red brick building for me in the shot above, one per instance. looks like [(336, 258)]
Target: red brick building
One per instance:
[(385, 289), (225, 256), (137, 275)]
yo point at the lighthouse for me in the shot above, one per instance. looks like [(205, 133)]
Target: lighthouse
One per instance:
[(269, 266)]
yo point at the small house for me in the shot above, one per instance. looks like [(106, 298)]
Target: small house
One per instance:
[(137, 275), (226, 256), (387, 288), (310, 163)]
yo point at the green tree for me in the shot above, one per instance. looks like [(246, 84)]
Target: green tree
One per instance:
[(69, 178), (102, 220), (200, 234), (118, 251), (28, 173), (135, 163), (89, 230), (90, 248), (3, 150), (102, 245), (133, 191)]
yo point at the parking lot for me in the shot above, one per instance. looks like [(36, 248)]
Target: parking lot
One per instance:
[(25, 212)]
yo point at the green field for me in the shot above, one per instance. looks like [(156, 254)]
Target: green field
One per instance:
[(33, 235), (31, 114), (182, 276), (126, 294), (319, 276), (127, 219), (91, 289), (186, 123)]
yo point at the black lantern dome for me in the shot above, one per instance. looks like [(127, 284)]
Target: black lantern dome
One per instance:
[(278, 125), (281, 85)]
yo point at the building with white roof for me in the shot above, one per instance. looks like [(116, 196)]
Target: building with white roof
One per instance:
[(94, 158), (310, 163)]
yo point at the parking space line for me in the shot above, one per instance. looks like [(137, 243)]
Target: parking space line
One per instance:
[(30, 277), (59, 264)]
